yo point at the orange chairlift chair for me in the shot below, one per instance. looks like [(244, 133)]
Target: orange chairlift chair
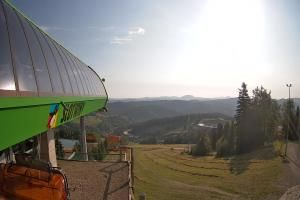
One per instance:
[(30, 179)]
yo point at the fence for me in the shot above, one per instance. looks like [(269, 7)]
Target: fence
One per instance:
[(125, 154), (78, 156)]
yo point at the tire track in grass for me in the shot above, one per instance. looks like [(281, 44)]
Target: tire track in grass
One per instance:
[(238, 164), (182, 171), (188, 165), (175, 155), (222, 161), (188, 186)]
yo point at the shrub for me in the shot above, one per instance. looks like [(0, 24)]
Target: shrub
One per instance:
[(224, 148), (202, 148)]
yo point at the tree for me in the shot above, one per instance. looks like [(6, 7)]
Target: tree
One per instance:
[(59, 148), (274, 120), (242, 118), (77, 147), (202, 148), (255, 123), (256, 119), (215, 135), (242, 103), (98, 152), (266, 115), (226, 144), (290, 119)]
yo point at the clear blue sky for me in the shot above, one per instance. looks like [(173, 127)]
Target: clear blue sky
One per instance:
[(178, 47)]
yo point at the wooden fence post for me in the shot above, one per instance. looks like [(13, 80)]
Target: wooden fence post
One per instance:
[(142, 196), (132, 167)]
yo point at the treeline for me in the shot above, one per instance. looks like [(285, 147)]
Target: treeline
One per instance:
[(96, 152), (68, 131), (257, 121), (176, 130), (173, 128)]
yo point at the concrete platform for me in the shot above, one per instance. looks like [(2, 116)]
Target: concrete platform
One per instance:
[(97, 180)]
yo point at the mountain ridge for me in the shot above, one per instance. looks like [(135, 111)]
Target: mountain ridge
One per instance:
[(139, 111)]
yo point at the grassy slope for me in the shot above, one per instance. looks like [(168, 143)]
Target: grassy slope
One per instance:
[(163, 173)]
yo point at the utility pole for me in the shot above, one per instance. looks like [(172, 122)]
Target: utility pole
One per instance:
[(289, 113)]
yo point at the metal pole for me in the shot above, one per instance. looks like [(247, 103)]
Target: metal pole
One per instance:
[(120, 154), (83, 139), (289, 112)]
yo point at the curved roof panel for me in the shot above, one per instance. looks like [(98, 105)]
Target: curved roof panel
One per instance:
[(33, 64)]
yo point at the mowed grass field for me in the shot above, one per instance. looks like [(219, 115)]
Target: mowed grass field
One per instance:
[(165, 172)]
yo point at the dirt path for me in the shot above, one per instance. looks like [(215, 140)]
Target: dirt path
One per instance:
[(291, 173), (292, 167), (294, 164)]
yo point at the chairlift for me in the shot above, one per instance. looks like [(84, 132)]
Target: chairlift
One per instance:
[(32, 179)]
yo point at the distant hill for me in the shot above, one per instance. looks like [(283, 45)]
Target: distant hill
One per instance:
[(162, 98), (122, 114), (172, 125), (139, 111), (296, 100)]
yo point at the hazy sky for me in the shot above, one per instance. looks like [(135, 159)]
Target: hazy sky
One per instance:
[(178, 47)]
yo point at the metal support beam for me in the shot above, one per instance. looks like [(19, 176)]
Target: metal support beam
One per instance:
[(83, 139), (289, 114), (47, 148)]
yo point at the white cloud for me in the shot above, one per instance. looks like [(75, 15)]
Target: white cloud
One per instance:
[(44, 28), (121, 40), (131, 34), (54, 28), (136, 31)]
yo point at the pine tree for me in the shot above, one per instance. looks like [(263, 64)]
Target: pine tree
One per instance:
[(242, 103), (225, 145), (242, 118), (202, 148)]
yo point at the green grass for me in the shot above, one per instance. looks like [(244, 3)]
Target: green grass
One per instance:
[(164, 172)]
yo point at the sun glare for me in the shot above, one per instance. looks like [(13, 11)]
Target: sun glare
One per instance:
[(227, 38)]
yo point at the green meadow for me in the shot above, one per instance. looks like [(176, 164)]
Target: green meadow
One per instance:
[(165, 172)]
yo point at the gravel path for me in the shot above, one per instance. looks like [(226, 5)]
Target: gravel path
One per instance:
[(97, 180), (291, 181)]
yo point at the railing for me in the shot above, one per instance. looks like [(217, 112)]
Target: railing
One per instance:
[(78, 156), (131, 174), (125, 155)]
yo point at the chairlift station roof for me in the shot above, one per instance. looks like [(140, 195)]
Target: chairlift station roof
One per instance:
[(42, 84)]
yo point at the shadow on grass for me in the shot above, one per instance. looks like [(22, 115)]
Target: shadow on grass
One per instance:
[(240, 163)]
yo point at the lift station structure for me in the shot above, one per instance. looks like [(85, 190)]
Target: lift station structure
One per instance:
[(42, 86)]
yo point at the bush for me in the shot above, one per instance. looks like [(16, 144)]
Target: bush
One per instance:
[(224, 148), (202, 148), (97, 153), (59, 149)]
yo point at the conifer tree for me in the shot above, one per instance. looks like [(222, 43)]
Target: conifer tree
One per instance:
[(242, 103), (241, 117)]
